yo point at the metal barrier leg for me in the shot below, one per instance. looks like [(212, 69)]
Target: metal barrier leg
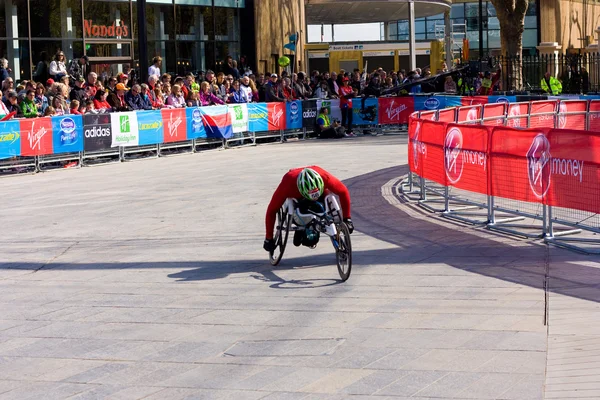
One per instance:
[(446, 199), (158, 150), (80, 159), (37, 164), (490, 209), (303, 133), (122, 154), (423, 194)]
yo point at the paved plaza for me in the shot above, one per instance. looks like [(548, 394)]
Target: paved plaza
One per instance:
[(147, 279)]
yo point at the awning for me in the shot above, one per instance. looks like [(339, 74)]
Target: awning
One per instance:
[(365, 11)]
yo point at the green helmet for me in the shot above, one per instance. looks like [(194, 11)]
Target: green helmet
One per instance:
[(310, 184)]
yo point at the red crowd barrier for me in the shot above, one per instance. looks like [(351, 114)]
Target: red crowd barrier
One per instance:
[(541, 164)]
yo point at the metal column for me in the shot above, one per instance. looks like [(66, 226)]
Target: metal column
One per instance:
[(411, 37)]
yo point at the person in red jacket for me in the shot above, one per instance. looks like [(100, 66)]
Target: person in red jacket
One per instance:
[(308, 185)]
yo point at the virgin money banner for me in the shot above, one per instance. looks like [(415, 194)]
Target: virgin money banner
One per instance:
[(447, 115), (573, 170), (543, 114), (366, 115), (124, 129), (518, 115), (239, 117), (10, 139), (217, 122), (97, 132), (520, 164), (572, 114), (416, 149), (334, 108), (150, 127), (395, 110), (494, 114), (594, 112), (474, 100), (466, 157), (67, 134), (429, 146), (194, 123), (36, 136), (293, 117), (470, 114), (276, 116), (257, 117)]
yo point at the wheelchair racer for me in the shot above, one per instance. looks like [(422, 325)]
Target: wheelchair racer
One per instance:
[(307, 185)]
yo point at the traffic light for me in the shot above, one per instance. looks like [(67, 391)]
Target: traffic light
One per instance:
[(437, 56)]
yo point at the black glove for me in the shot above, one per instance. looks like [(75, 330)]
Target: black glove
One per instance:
[(349, 224), (269, 245)]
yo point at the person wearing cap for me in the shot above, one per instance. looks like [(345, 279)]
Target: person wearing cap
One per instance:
[(78, 92), (123, 78), (346, 92), (78, 68), (271, 90), (49, 83), (116, 99)]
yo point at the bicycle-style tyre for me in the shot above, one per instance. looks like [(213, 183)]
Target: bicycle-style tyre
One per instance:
[(343, 253), (282, 231)]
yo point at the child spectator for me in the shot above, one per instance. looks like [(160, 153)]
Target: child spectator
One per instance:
[(89, 107), (50, 112), (176, 98), (75, 107), (159, 101), (206, 97), (192, 100), (100, 103)]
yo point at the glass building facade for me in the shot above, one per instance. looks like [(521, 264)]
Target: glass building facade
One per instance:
[(189, 35), (465, 21)]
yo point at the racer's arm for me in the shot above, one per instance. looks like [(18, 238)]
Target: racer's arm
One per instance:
[(283, 191), (334, 185)]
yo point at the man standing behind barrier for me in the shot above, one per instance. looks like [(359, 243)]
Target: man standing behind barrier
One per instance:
[(346, 93), (551, 85)]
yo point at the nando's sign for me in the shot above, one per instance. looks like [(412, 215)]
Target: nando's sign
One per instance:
[(92, 30)]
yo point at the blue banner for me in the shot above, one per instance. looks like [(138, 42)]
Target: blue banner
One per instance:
[(67, 134), (502, 99), (10, 139), (367, 115), (424, 103), (150, 127), (195, 125), (217, 122), (293, 111), (258, 120)]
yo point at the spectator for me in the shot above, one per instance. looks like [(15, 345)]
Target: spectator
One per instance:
[(322, 91), (89, 107), (78, 92), (225, 93), (387, 84), (111, 85), (450, 85), (159, 99), (3, 109), (146, 98), (65, 80), (28, 107), (152, 81), (4, 70), (245, 87), (59, 105), (49, 83), (180, 82), (133, 98), (7, 85), (100, 102), (58, 68), (262, 88), (207, 98), (303, 91), (238, 95), (166, 89), (50, 112), (193, 99), (230, 68), (243, 66), (346, 93), (91, 85), (333, 85), (75, 106), (286, 91), (165, 78), (176, 99), (123, 78), (271, 90), (551, 85), (190, 82), (116, 99), (11, 102), (78, 69), (40, 99), (154, 69), (327, 130), (255, 95), (488, 83)]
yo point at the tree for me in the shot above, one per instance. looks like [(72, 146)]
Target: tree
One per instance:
[(511, 15)]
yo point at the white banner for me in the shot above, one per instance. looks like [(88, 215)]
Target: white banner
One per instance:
[(334, 108), (383, 53), (124, 129), (239, 117)]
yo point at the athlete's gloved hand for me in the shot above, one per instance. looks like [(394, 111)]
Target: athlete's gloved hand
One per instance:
[(269, 245), (349, 224)]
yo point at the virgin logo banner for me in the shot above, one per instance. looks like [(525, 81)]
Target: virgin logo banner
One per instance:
[(572, 114), (492, 110), (276, 116), (520, 164), (36, 137), (594, 112), (447, 115), (416, 149), (543, 114), (395, 110), (518, 115), (429, 147), (466, 157), (469, 114)]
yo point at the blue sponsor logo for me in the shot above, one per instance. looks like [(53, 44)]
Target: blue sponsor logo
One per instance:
[(68, 135), (432, 103), (197, 115), (502, 100)]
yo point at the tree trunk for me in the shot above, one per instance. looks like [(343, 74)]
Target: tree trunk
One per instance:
[(511, 15)]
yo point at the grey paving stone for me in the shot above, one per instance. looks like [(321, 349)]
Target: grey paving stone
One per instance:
[(412, 383)]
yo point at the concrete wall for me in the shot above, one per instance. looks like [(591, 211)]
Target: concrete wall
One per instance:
[(567, 21), (275, 20)]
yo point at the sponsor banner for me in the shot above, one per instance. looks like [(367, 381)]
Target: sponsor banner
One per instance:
[(67, 133), (469, 114), (517, 116), (257, 117), (395, 110), (124, 129), (10, 139), (416, 148), (520, 164), (493, 110), (366, 115), (150, 127), (194, 123), (474, 100), (572, 115), (429, 115), (239, 117), (36, 136), (428, 143), (543, 114), (309, 113), (217, 122), (454, 101), (502, 99), (466, 157), (574, 170), (424, 103), (97, 132), (174, 127), (293, 117), (335, 113), (276, 116), (447, 115)]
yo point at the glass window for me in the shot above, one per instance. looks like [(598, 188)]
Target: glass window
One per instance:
[(194, 23), (107, 20), (166, 50), (44, 52), (530, 38), (393, 29), (432, 23), (530, 21), (532, 8), (457, 11), (494, 39), (226, 20), (108, 49), (230, 3), (8, 10), (420, 26), (493, 23), (56, 19), (472, 10), (160, 23)]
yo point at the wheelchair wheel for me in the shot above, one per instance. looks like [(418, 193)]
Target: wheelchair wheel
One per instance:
[(343, 252), (282, 231)]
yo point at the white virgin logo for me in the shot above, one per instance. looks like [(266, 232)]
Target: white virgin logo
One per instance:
[(35, 138), (173, 125), (394, 113)]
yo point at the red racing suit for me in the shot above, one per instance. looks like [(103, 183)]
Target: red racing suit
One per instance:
[(288, 188)]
